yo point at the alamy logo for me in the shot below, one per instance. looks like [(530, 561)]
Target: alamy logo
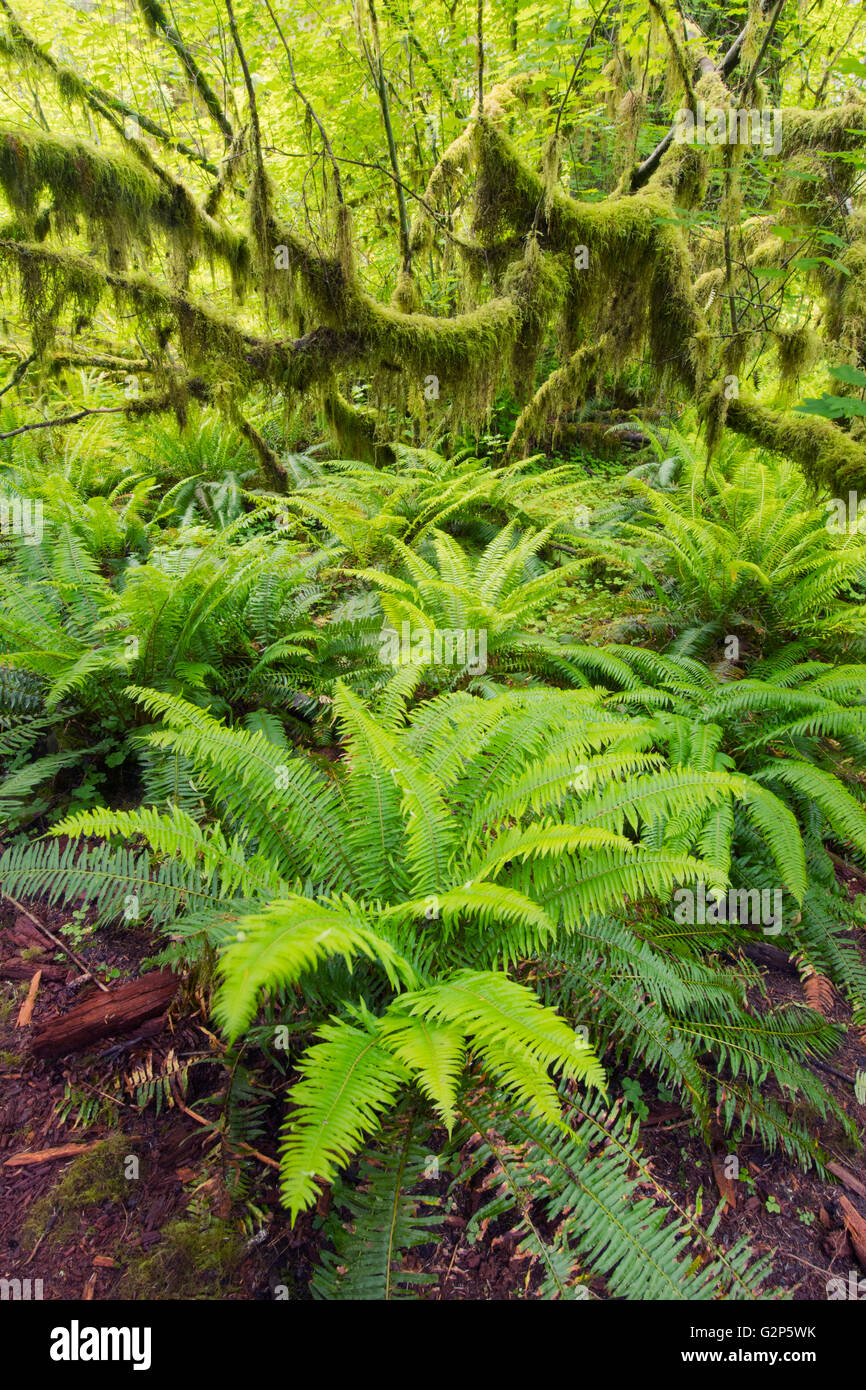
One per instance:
[(836, 1288), (22, 517), (463, 647), (747, 907), (76, 1343), (729, 125), (20, 1289), (847, 518)]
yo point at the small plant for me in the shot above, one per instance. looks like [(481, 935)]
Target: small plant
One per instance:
[(633, 1091), (77, 929)]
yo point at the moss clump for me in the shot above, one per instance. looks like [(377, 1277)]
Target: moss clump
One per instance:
[(194, 1260), (405, 297), (713, 413), (92, 1179), (690, 177), (840, 129)]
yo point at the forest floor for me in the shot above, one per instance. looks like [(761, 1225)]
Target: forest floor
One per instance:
[(199, 1217)]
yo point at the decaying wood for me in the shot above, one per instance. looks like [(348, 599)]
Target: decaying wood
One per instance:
[(17, 969), (25, 936), (762, 953), (105, 1016), (856, 1228), (24, 1160), (25, 1013), (848, 1178)]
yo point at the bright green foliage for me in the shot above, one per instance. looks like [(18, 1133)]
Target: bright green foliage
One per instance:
[(748, 554), (482, 853), (461, 775)]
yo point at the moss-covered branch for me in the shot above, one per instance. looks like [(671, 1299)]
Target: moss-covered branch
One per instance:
[(52, 281), (123, 202), (830, 459), (636, 285), (20, 46), (158, 22), (561, 392)]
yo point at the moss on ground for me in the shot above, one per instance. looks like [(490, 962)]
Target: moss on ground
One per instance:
[(94, 1178), (195, 1259)]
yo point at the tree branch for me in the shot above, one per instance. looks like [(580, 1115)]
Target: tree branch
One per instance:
[(644, 172), (157, 21), (96, 98)]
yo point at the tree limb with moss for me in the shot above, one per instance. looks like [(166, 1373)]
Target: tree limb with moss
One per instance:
[(615, 280)]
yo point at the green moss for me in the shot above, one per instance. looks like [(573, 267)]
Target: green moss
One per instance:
[(405, 297), (121, 201), (94, 1178), (637, 289), (840, 128), (846, 294), (797, 351), (8, 1001), (466, 352), (538, 286), (194, 1260), (562, 391), (355, 430), (49, 285), (830, 459)]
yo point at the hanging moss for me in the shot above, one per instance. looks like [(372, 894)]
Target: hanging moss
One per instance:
[(678, 73), (457, 159), (797, 352), (465, 354), (405, 297), (690, 176), (845, 292), (713, 413), (49, 287), (118, 198), (637, 288), (537, 284), (355, 431)]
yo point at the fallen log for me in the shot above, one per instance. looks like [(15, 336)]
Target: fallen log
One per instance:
[(109, 1015), (762, 953), (18, 969)]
